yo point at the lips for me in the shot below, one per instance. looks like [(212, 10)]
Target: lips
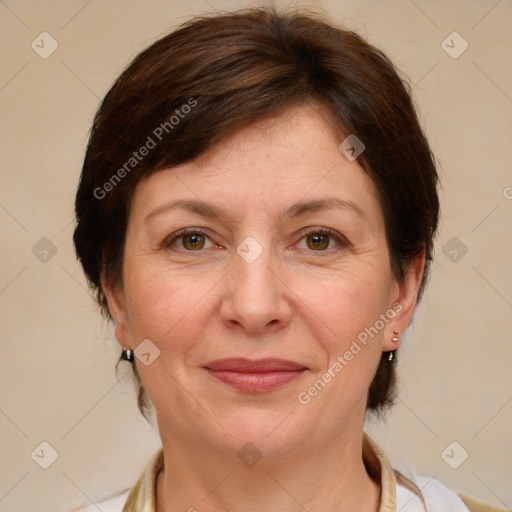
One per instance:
[(257, 366), (255, 375)]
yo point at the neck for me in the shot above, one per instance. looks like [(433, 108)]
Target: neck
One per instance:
[(321, 476)]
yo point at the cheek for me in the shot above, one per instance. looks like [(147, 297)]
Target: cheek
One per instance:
[(346, 315), (346, 306), (167, 308)]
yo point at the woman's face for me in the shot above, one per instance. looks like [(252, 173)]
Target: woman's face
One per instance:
[(257, 276)]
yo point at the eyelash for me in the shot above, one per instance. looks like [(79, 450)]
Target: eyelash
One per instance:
[(169, 241)]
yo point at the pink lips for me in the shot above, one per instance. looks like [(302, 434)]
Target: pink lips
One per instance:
[(255, 376)]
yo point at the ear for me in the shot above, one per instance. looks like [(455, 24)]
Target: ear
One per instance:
[(404, 302), (117, 306)]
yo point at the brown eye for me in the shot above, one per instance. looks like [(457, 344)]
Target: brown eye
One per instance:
[(193, 242), (189, 240), (323, 240), (317, 241)]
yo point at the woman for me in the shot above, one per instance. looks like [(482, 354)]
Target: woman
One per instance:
[(256, 213)]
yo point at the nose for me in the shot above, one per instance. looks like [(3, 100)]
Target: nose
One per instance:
[(256, 297)]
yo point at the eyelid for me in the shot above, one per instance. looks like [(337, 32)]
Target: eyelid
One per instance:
[(341, 240), (173, 237)]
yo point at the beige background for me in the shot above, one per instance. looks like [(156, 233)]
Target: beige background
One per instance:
[(57, 382)]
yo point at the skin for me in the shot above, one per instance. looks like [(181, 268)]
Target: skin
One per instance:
[(295, 302)]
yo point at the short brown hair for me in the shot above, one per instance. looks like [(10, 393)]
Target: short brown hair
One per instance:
[(234, 69)]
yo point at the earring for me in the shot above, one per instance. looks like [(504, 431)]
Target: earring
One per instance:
[(127, 355), (394, 339)]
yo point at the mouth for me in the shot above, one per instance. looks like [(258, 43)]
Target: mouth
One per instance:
[(255, 376)]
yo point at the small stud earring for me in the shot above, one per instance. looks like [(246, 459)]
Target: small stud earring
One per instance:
[(127, 355), (395, 338)]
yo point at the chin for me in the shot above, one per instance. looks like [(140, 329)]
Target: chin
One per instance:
[(273, 433)]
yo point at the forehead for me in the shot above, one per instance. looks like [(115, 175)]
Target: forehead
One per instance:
[(265, 167), (299, 137)]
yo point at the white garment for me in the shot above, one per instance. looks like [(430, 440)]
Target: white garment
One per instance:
[(438, 498)]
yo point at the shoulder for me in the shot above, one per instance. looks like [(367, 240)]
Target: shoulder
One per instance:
[(438, 498), (477, 506)]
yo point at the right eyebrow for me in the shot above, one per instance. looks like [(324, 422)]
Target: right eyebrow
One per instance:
[(199, 207)]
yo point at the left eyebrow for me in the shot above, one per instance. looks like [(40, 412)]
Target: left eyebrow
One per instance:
[(304, 207)]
